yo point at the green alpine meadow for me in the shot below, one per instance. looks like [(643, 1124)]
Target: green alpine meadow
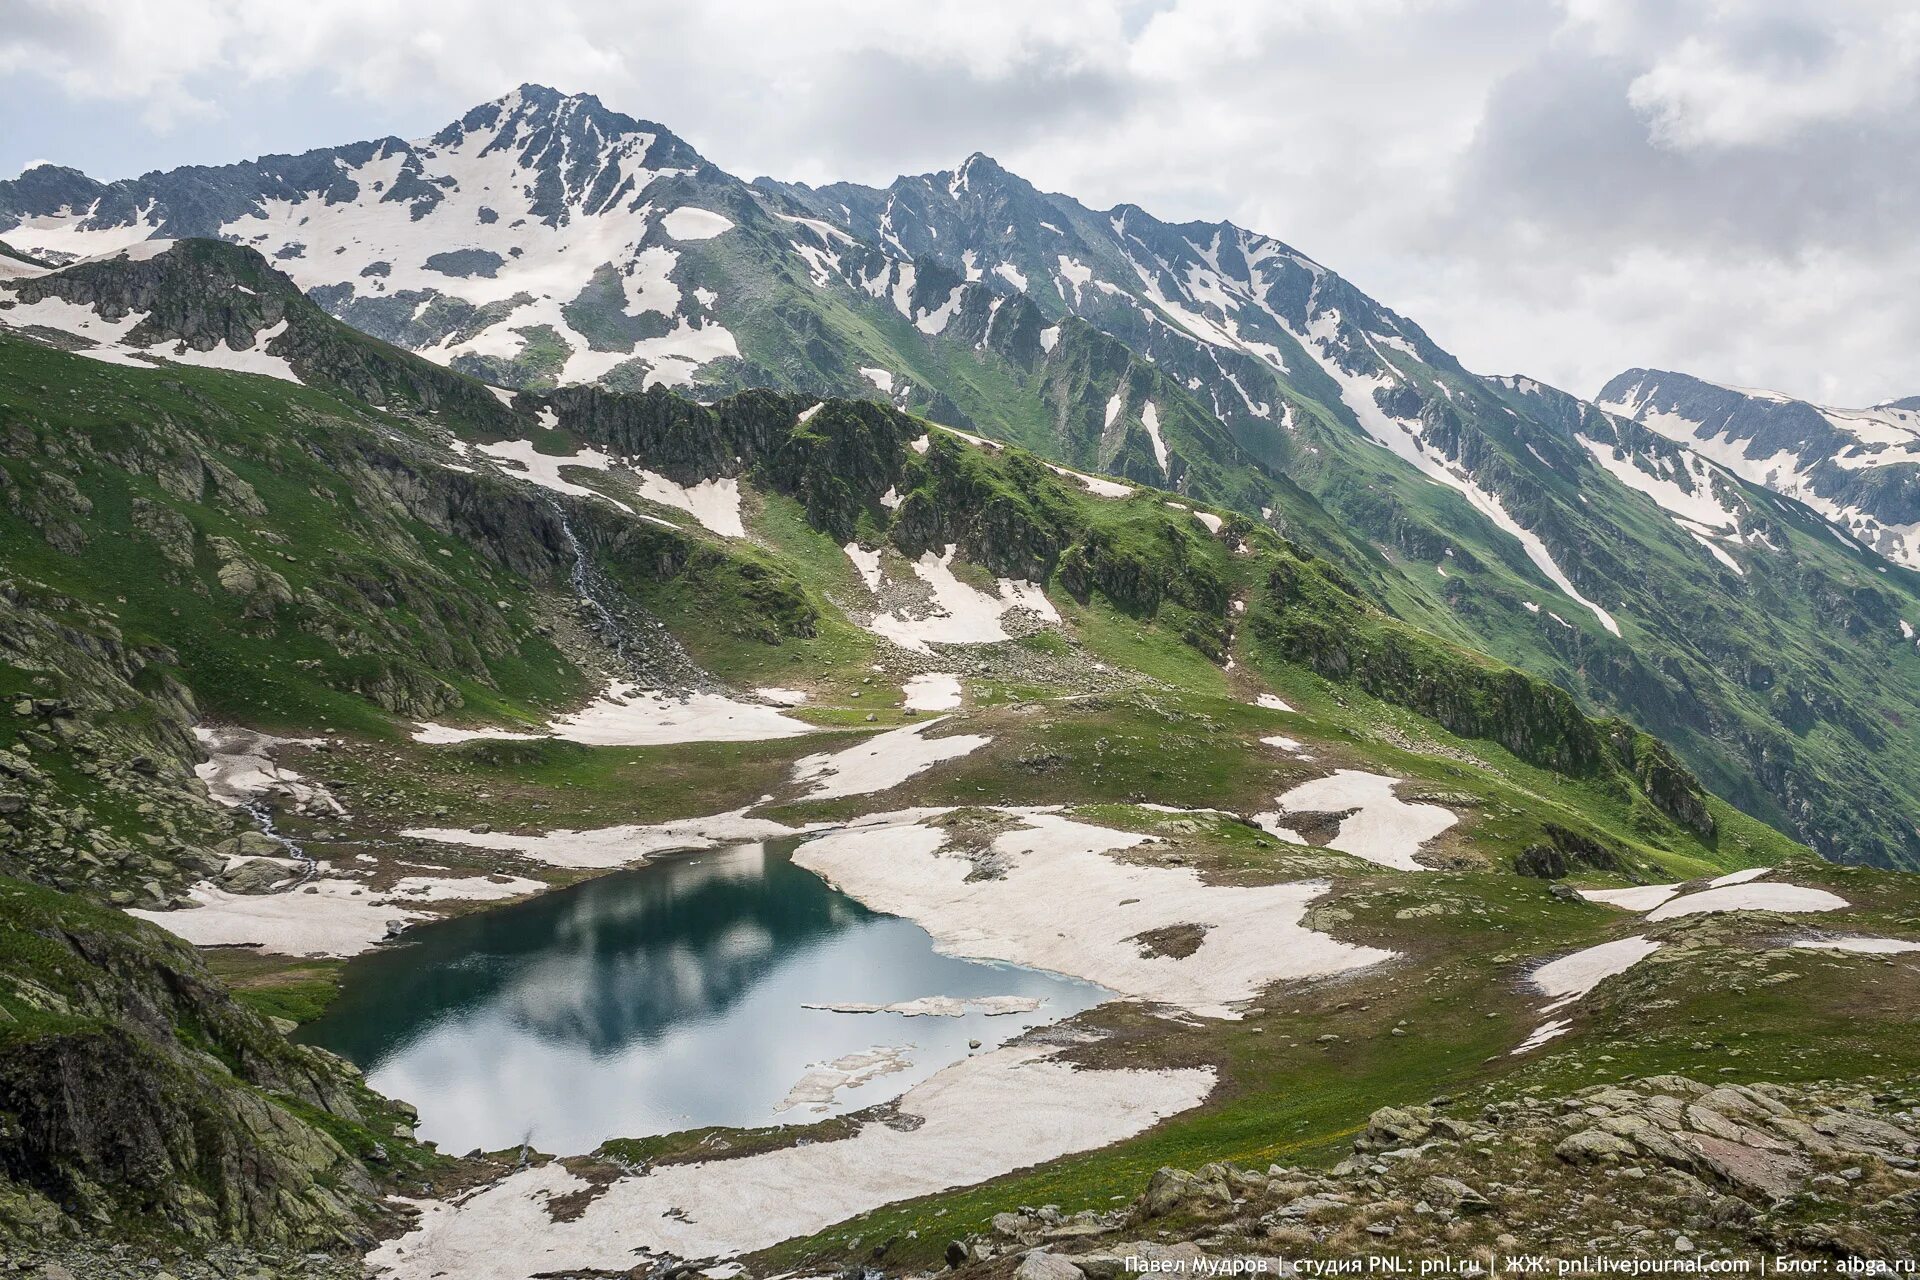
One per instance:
[(567, 715)]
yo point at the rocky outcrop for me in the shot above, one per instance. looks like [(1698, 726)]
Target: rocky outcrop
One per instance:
[(1564, 852), (136, 1097), (1657, 1166), (99, 736), (1666, 782)]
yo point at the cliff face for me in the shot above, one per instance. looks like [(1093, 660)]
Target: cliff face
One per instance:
[(137, 1097), (1310, 616)]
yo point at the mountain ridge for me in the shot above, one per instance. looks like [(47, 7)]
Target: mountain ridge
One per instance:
[(1859, 468), (1221, 363)]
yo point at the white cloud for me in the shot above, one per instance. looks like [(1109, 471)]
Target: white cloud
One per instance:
[(1564, 189), (1762, 74)]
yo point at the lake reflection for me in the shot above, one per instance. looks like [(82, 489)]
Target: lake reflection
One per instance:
[(663, 998)]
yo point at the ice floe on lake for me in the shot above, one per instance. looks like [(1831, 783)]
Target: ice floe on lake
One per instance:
[(824, 1080)]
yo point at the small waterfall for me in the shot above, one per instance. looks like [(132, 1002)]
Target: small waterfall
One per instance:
[(586, 585), (230, 747), (643, 645), (263, 819)]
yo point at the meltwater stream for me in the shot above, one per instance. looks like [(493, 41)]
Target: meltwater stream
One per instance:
[(664, 998)]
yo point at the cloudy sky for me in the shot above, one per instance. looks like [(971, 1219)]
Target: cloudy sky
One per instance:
[(1559, 187)]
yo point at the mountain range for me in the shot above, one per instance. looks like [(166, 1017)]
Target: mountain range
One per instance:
[(1657, 552), (1419, 778)]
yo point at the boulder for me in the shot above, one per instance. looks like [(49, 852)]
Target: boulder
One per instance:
[(1592, 1146), (1041, 1265), (254, 875), (1395, 1126), (1750, 1169), (1015, 1226), (1454, 1194), (1173, 1191)]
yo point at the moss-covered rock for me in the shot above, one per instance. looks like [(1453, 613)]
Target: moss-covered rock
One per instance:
[(137, 1097)]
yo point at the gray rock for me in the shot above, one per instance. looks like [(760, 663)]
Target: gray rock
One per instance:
[(1592, 1146), (1041, 1265), (1177, 1191), (254, 875), (1014, 1226), (1455, 1195)]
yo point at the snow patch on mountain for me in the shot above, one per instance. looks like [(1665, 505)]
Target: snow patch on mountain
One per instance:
[(714, 503), (1693, 492), (74, 233), (1096, 485), (1150, 419), (956, 612), (1321, 342), (511, 213), (543, 469), (108, 340), (1794, 448), (690, 223), (935, 321)]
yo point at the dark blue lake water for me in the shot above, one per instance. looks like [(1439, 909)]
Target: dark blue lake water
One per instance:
[(663, 998)]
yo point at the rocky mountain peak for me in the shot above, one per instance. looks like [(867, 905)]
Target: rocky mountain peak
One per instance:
[(983, 170)]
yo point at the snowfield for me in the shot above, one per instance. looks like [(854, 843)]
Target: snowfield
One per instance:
[(620, 846), (240, 768), (1735, 891), (882, 762), (1056, 899), (956, 612), (714, 503), (325, 917), (932, 691), (627, 716), (1384, 829), (1749, 897), (975, 1120), (1573, 976)]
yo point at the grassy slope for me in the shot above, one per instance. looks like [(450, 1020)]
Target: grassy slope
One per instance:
[(1746, 677), (1173, 726), (316, 529)]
